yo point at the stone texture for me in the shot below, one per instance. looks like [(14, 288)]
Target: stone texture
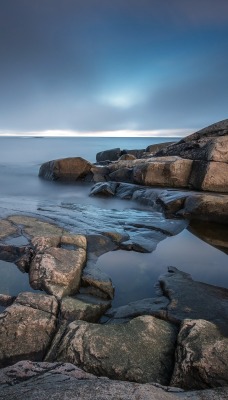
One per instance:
[(210, 176), (7, 228), (163, 171), (111, 155), (141, 350), (57, 271), (106, 189), (194, 300), (201, 356), (127, 156), (6, 300), (122, 175), (214, 234), (84, 309), (36, 227), (154, 148), (27, 327), (206, 207), (58, 381), (67, 169)]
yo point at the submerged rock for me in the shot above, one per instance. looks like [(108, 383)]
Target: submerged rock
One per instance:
[(201, 356), (194, 300), (27, 328), (141, 350)]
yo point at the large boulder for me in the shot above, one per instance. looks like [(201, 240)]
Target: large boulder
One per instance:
[(67, 169), (163, 171), (141, 350), (84, 308), (206, 207), (201, 356), (27, 328)]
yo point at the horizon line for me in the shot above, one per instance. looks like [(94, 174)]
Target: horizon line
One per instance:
[(114, 133)]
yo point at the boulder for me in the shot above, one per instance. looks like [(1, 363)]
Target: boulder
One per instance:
[(154, 148), (194, 300), (214, 234), (127, 156), (163, 171), (201, 356), (111, 155), (206, 207), (122, 175), (57, 271), (211, 176), (84, 308), (104, 188), (137, 153), (27, 328), (66, 169), (141, 350)]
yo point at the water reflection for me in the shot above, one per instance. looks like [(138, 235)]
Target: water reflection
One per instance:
[(135, 275), (12, 280)]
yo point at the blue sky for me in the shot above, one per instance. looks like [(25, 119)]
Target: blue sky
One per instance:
[(103, 66)]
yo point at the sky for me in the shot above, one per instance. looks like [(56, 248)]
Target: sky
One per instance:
[(112, 67)]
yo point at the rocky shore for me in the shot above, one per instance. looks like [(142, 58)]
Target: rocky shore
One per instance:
[(66, 340)]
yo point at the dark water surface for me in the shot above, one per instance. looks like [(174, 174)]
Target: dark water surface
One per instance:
[(134, 274)]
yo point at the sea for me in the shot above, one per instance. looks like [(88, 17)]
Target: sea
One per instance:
[(134, 275)]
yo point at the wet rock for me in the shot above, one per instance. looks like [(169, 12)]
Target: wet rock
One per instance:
[(57, 271), (206, 207), (163, 171), (107, 189), (201, 356), (99, 173), (210, 176), (141, 350), (55, 381), (97, 282), (194, 300), (151, 306), (126, 190), (84, 308), (36, 227), (7, 228), (67, 169), (111, 155), (27, 327)]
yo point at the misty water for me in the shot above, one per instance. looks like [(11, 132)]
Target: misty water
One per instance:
[(134, 275)]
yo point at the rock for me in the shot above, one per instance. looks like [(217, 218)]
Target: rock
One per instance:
[(27, 327), (111, 155), (55, 381), (141, 350), (206, 207), (66, 169), (107, 189), (154, 148), (7, 228), (201, 356), (86, 308), (97, 282), (194, 300), (137, 153), (36, 227), (6, 300), (218, 129), (57, 271), (122, 175), (152, 306), (210, 176), (99, 173), (163, 171), (127, 156), (126, 190)]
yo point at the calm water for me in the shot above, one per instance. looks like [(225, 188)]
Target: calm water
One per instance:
[(134, 274)]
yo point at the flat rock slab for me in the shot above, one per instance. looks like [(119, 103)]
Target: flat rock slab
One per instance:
[(7, 228), (141, 350), (35, 227), (201, 356), (27, 328), (57, 381), (194, 300)]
